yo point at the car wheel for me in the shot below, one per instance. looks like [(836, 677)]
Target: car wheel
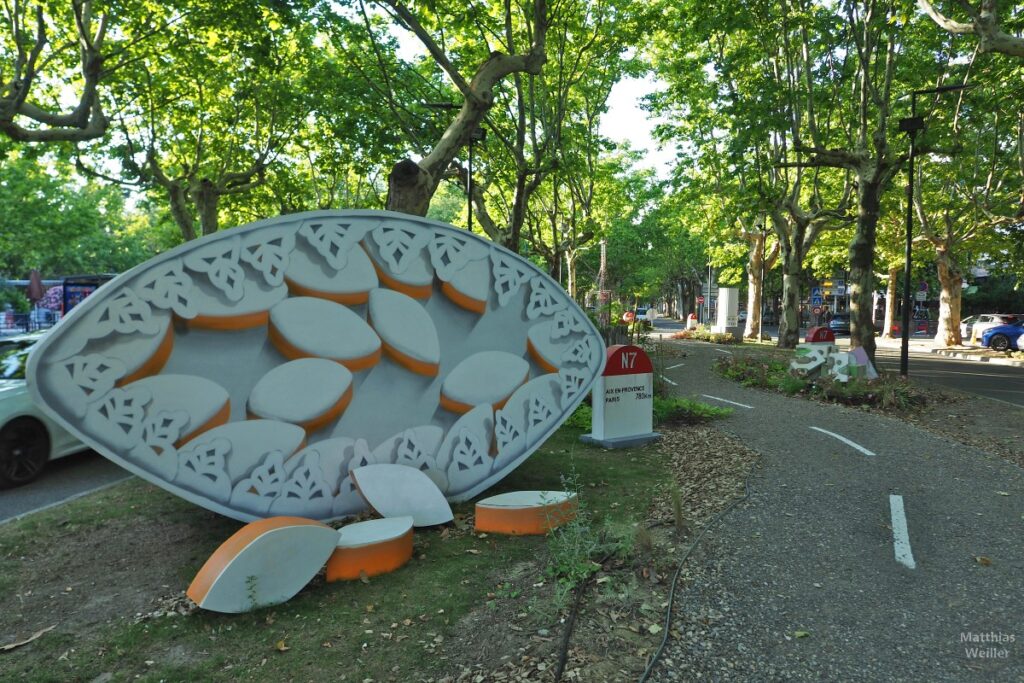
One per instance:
[(24, 450), (999, 342)]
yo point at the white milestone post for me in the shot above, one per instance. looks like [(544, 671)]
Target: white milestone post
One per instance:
[(623, 400), (728, 312)]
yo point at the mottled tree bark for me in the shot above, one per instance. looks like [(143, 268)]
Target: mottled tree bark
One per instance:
[(951, 282), (890, 302)]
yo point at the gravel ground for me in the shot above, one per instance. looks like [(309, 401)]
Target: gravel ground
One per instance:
[(799, 583)]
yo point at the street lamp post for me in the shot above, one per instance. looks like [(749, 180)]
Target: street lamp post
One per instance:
[(477, 135), (911, 126)]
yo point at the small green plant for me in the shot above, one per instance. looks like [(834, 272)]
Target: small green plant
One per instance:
[(643, 540), (790, 384), (574, 547), (581, 417), (677, 511), (676, 410), (250, 591)]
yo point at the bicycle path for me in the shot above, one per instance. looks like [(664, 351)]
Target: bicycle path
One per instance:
[(802, 581)]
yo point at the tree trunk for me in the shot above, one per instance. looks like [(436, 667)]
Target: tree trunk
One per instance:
[(951, 281), (570, 273), (755, 259), (410, 188), (207, 201), (789, 321), (180, 210), (862, 261), (890, 302)]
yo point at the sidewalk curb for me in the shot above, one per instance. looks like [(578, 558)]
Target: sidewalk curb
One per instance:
[(978, 358)]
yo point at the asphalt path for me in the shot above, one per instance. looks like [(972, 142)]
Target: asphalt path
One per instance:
[(62, 480), (868, 550)]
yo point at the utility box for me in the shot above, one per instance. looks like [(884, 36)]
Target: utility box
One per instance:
[(728, 312)]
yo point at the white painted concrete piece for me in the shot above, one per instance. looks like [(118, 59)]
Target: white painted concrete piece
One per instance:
[(400, 491), (300, 390), (265, 563), (526, 499), (373, 531)]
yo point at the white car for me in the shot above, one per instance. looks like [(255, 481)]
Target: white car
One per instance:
[(28, 438)]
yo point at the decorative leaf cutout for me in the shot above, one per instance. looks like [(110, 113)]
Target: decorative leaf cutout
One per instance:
[(583, 352), (540, 413), (333, 238), (543, 300), (307, 481), (505, 432), (399, 246), (469, 460), (169, 286), (410, 454), (565, 324), (219, 261), (572, 382), (348, 501), (257, 491), (125, 313), (362, 456), (118, 417), (89, 378), (509, 275), (163, 430), (201, 469), (267, 252), (450, 253)]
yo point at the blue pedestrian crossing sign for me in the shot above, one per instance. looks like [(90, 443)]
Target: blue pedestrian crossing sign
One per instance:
[(816, 301), (816, 293)]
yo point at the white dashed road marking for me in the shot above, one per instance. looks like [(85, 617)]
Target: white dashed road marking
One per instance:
[(675, 384), (844, 440), (677, 365), (900, 537), (725, 400)]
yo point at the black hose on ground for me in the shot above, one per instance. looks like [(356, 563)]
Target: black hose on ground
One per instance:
[(679, 570)]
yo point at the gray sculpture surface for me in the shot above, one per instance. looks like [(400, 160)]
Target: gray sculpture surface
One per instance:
[(254, 370)]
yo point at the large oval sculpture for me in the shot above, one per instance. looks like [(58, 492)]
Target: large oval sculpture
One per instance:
[(228, 318)]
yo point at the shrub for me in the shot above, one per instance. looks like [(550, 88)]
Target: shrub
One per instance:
[(581, 417), (887, 392), (706, 335)]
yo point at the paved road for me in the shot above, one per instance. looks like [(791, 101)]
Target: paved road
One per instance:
[(1002, 382), (61, 480), (804, 580)]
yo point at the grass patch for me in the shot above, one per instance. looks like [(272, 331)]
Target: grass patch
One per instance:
[(407, 625)]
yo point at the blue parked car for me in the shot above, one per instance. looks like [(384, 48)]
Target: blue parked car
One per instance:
[(1004, 337)]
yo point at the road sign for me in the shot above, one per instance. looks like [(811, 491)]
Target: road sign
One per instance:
[(815, 292), (700, 299), (923, 287), (629, 316), (921, 295), (816, 301), (840, 290), (816, 310)]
